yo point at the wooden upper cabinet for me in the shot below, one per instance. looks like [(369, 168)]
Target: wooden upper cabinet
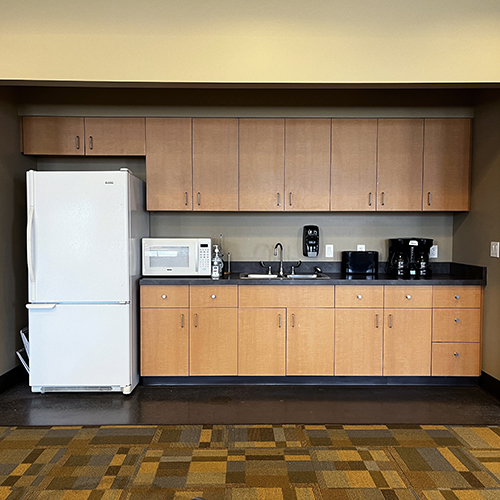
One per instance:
[(169, 167), (115, 136), (447, 164), (262, 169), (307, 164), (53, 135), (400, 157), (354, 164), (215, 164)]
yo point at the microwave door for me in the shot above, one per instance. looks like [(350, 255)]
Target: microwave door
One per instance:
[(177, 259)]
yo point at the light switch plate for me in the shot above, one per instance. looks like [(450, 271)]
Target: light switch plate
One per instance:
[(328, 250), (495, 249), (361, 248), (433, 252)]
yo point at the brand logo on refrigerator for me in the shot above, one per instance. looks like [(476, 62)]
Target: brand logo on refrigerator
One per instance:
[(108, 182)]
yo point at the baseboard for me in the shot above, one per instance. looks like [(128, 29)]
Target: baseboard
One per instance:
[(489, 384), (13, 377)]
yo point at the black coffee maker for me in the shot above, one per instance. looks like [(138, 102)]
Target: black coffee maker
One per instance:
[(409, 257)]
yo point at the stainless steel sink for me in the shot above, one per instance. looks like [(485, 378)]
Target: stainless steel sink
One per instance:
[(314, 276), (266, 276), (258, 276)]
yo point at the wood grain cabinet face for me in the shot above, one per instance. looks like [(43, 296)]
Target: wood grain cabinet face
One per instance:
[(447, 164), (408, 296), (50, 135), (456, 359), (457, 296), (215, 164), (310, 341), (307, 164), (165, 296), (261, 164), (359, 296), (358, 342), (169, 168), (115, 136), (354, 164), (407, 342), (456, 325), (400, 157), (261, 341), (164, 342), (214, 296)]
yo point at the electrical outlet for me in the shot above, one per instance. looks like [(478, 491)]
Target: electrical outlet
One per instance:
[(495, 249), (361, 248), (433, 252), (328, 250)]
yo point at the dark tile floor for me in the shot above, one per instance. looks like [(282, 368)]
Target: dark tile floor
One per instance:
[(254, 405)]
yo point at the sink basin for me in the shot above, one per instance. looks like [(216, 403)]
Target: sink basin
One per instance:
[(257, 276), (314, 276), (266, 276)]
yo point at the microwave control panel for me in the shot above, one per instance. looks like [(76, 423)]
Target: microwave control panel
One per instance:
[(204, 256)]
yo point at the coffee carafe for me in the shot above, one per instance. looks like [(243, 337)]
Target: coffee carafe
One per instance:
[(409, 257)]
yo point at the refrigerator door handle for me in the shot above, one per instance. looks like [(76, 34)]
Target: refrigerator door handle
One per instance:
[(40, 306), (29, 239)]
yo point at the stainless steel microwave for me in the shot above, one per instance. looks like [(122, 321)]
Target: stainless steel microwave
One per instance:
[(176, 256)]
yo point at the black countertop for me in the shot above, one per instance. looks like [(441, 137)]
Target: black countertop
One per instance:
[(443, 273)]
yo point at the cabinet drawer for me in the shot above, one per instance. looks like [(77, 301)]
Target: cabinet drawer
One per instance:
[(456, 360), (286, 296), (164, 296), (359, 296), (456, 325), (408, 296), (214, 296), (457, 296)]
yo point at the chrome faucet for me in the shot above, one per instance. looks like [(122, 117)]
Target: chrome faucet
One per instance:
[(280, 273)]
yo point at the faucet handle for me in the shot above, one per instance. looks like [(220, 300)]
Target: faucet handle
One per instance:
[(269, 271), (317, 270)]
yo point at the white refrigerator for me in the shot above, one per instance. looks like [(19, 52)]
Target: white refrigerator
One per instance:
[(84, 233)]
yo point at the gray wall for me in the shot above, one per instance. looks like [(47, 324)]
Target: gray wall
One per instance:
[(13, 283), (473, 232)]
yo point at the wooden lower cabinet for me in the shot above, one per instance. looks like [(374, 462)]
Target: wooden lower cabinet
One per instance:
[(457, 359), (309, 341), (261, 344), (214, 341), (358, 342), (164, 342), (407, 342)]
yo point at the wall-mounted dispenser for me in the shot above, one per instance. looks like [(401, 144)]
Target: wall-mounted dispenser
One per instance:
[(310, 241)]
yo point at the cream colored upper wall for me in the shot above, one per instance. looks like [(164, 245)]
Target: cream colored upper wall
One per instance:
[(360, 41)]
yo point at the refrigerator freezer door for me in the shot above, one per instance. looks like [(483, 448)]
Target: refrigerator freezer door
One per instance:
[(80, 346), (78, 236)]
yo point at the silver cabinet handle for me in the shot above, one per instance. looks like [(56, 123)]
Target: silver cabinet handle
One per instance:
[(77, 142), (457, 320), (370, 199), (428, 198), (186, 198), (213, 296), (279, 320), (182, 320), (376, 315), (383, 199), (457, 296), (278, 198), (408, 297), (390, 320), (293, 320), (163, 296), (199, 199), (290, 198), (91, 142), (455, 354), (360, 297), (196, 321)]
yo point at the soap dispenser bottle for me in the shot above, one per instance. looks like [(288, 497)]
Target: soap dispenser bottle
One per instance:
[(217, 264)]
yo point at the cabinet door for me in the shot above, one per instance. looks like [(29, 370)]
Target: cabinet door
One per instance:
[(307, 164), (214, 339), (456, 359), (447, 145), (261, 343), (407, 342), (169, 169), (354, 164), (44, 135), (115, 136), (400, 156), (164, 342), (358, 342), (262, 169), (309, 341), (215, 164)]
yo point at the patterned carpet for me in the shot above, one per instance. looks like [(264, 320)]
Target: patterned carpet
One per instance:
[(289, 462)]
